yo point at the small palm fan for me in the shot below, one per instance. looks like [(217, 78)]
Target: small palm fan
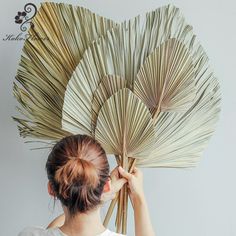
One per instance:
[(143, 88)]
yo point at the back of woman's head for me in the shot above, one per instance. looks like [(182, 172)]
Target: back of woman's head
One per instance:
[(78, 169)]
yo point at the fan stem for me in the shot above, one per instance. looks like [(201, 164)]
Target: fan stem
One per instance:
[(131, 164), (156, 113), (113, 202)]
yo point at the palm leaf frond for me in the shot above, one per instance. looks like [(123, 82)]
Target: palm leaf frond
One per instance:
[(100, 59), (109, 85), (182, 137), (125, 123), (121, 51), (63, 33), (166, 81)]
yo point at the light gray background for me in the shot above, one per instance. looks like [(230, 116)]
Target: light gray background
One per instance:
[(200, 202)]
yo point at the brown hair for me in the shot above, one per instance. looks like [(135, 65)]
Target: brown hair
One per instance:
[(77, 168)]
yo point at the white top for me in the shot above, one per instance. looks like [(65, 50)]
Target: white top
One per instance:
[(38, 231)]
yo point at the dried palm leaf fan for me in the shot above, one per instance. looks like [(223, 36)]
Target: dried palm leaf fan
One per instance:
[(145, 90)]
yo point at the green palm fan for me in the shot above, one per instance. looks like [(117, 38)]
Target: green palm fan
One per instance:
[(144, 90)]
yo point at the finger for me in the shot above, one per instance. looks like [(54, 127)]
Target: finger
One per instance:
[(115, 174), (136, 171), (119, 184), (124, 173)]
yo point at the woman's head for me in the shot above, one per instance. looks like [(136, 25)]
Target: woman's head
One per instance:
[(78, 169)]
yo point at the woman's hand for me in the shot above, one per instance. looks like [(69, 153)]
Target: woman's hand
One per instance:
[(143, 225), (135, 183), (116, 183)]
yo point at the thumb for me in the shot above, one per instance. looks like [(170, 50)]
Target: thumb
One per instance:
[(124, 173)]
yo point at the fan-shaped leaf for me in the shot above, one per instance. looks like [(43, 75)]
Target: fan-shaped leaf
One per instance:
[(63, 32), (181, 138), (109, 85), (119, 52), (125, 123), (166, 81), (99, 60)]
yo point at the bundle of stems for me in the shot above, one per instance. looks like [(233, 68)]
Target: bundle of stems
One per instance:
[(121, 199)]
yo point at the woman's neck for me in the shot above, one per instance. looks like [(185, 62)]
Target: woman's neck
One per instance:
[(83, 224)]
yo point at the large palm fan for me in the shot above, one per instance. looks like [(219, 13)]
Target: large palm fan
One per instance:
[(143, 89)]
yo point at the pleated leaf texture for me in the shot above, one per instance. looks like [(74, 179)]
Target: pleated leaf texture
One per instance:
[(143, 87)]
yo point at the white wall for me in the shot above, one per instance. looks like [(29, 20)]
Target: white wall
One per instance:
[(200, 202)]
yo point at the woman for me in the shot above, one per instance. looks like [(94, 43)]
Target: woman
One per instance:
[(78, 173)]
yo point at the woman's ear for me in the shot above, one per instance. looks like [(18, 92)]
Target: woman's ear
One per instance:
[(50, 190), (107, 193), (107, 186)]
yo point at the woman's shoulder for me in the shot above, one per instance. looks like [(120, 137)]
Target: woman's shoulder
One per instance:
[(111, 233), (36, 231), (39, 231)]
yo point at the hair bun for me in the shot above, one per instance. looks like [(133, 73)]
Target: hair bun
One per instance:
[(76, 169)]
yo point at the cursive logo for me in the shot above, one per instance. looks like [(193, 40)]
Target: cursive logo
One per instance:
[(23, 17)]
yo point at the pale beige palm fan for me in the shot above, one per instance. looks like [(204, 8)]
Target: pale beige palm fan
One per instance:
[(143, 89)]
